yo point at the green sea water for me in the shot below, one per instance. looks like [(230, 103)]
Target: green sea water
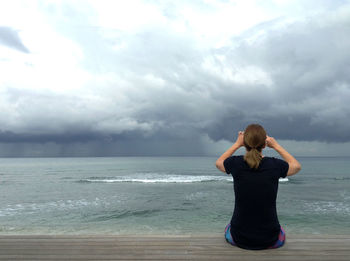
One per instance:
[(158, 195)]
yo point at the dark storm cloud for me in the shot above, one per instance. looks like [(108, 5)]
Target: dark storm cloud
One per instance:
[(131, 143), (10, 137), (308, 63), (9, 37), (304, 98), (161, 91), (163, 76)]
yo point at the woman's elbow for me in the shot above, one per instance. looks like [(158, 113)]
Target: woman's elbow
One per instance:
[(217, 164), (294, 169), (220, 165), (298, 168)]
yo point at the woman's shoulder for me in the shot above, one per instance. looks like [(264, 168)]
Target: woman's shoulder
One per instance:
[(235, 158), (269, 158), (233, 163), (272, 161)]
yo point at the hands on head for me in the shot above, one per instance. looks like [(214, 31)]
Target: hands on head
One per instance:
[(294, 165), (270, 141)]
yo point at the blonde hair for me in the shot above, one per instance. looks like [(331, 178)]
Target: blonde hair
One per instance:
[(254, 141)]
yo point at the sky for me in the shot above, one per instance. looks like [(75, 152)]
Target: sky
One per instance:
[(172, 78)]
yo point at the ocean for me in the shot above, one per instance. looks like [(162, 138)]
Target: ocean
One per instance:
[(159, 195)]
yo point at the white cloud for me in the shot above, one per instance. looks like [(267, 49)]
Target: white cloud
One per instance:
[(232, 73), (131, 16)]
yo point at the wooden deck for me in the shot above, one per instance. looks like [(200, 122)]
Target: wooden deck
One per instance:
[(187, 247)]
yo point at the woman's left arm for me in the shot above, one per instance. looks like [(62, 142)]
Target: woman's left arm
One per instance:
[(239, 143)]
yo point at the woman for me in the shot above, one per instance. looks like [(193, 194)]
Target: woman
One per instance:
[(254, 224)]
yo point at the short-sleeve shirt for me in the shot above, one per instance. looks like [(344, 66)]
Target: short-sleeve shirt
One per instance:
[(254, 223)]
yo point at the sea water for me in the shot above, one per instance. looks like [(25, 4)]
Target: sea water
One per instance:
[(158, 195)]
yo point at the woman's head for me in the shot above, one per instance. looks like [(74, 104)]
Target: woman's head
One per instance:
[(254, 142)]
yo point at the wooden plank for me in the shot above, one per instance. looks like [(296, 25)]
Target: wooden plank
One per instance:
[(155, 247), (165, 257), (196, 248)]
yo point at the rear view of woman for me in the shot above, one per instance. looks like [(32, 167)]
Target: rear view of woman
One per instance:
[(254, 224)]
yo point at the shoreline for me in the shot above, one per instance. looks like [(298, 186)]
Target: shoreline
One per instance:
[(155, 233)]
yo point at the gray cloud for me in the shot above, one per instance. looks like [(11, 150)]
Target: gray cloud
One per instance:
[(9, 37), (165, 91)]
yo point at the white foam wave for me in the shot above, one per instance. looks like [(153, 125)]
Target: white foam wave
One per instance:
[(166, 179), (163, 179)]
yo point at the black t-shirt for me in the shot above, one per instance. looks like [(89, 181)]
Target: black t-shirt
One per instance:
[(254, 223)]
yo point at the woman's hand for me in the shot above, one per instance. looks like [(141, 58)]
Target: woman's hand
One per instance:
[(240, 139), (271, 142)]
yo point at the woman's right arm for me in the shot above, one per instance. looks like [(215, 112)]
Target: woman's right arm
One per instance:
[(294, 165)]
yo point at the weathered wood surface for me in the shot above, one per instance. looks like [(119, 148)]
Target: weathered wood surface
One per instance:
[(182, 247)]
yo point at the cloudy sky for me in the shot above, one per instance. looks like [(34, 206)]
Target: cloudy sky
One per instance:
[(154, 77)]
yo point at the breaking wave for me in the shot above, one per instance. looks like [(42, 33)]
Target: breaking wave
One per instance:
[(162, 179)]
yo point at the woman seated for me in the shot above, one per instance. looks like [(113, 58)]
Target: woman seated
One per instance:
[(254, 223)]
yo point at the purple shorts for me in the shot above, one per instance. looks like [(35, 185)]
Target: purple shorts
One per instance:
[(280, 241)]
